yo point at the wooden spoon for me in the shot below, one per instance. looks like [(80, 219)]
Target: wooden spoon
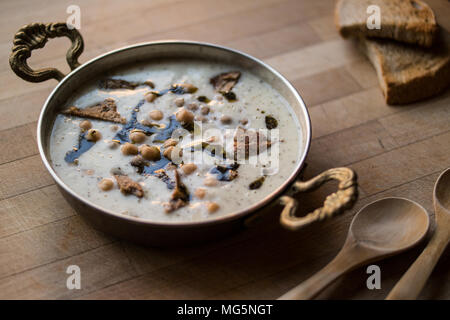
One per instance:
[(415, 278), (380, 229)]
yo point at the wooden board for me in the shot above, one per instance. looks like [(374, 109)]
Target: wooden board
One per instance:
[(397, 151)]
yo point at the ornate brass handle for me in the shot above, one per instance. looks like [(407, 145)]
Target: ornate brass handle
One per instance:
[(35, 36), (335, 203)]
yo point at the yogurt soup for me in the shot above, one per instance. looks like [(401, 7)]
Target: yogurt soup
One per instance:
[(175, 140)]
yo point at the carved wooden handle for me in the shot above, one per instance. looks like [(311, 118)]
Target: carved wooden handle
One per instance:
[(415, 278), (335, 203), (35, 36)]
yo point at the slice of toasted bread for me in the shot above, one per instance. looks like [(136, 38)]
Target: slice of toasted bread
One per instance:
[(410, 21), (409, 73)]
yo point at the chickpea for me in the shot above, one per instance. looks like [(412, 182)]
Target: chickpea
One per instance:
[(179, 102), (168, 152), (170, 143), (150, 84), (210, 181), (129, 149), (200, 193), (106, 184), (171, 153), (226, 119), (150, 96), (188, 168), (114, 127), (192, 106), (244, 121), (156, 115), (212, 207), (187, 87), (185, 116), (137, 136), (85, 125), (113, 144), (93, 135), (151, 153), (204, 110)]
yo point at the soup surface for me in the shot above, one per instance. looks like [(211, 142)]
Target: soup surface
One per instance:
[(175, 140)]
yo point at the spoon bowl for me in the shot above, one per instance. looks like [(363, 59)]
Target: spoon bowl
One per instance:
[(390, 224), (442, 190), (382, 228)]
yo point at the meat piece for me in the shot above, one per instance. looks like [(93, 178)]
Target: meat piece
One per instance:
[(257, 183), (128, 186), (139, 162), (180, 195), (118, 84), (225, 82), (174, 205), (106, 111)]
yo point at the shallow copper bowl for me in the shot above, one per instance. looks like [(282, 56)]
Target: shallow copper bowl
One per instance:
[(145, 231)]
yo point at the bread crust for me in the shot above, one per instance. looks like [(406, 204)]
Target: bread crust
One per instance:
[(409, 21), (406, 73)]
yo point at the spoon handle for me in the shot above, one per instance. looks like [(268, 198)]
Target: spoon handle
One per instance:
[(318, 282), (413, 281)]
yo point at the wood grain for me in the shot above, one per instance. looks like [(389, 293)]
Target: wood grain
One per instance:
[(397, 151), (18, 214), (414, 280)]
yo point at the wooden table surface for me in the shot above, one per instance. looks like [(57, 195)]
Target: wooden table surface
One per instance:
[(396, 151)]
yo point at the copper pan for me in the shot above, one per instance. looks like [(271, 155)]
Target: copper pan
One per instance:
[(35, 35)]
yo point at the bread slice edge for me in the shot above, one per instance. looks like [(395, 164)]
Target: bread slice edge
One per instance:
[(422, 86)]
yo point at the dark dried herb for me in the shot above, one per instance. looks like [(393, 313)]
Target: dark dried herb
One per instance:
[(204, 99), (230, 96), (271, 122), (225, 173), (257, 183)]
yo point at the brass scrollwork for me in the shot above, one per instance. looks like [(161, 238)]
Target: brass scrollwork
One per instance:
[(335, 203), (35, 36)]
